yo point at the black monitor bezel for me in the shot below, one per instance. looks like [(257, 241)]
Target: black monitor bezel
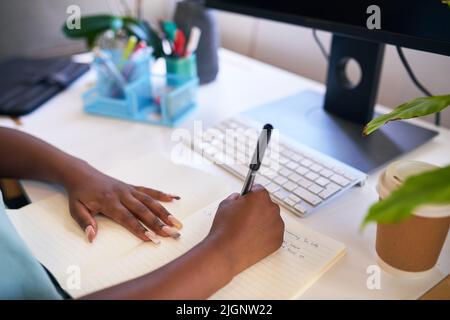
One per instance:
[(380, 36)]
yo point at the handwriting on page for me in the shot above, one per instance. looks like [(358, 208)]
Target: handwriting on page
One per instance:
[(295, 244)]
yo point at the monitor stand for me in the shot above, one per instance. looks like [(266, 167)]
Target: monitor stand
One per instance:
[(333, 124)]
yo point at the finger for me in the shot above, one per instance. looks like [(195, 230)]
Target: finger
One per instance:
[(257, 187), (158, 210), (148, 218), (157, 195), (122, 216), (84, 219), (233, 196)]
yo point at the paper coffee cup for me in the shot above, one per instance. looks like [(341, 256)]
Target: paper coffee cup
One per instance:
[(412, 246)]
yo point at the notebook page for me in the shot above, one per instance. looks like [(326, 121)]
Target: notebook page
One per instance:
[(305, 255)]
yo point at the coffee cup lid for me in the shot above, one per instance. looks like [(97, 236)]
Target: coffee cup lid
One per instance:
[(397, 173)]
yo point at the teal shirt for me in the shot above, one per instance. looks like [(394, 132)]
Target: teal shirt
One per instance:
[(21, 275)]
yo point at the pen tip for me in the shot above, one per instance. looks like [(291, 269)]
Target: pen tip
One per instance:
[(268, 126)]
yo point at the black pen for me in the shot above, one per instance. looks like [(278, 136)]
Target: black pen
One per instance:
[(261, 147)]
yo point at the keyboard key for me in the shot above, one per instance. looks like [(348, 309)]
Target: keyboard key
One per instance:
[(290, 186), (272, 187), (296, 157), (312, 176), (306, 162), (321, 181), (316, 167), (281, 194), (268, 172), (315, 189), (349, 176), (280, 180), (328, 192), (338, 171), (287, 153), (307, 196), (295, 177), (326, 173), (291, 165), (289, 202), (339, 180), (262, 180), (301, 208), (294, 198), (285, 172), (305, 183), (283, 160), (302, 170)]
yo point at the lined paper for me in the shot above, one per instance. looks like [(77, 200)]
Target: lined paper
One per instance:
[(304, 256)]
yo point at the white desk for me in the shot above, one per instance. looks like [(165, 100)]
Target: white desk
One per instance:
[(242, 83)]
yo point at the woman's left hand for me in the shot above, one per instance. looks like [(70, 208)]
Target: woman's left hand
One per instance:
[(92, 192)]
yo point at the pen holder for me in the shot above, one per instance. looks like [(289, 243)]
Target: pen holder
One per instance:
[(131, 70), (152, 99), (185, 67)]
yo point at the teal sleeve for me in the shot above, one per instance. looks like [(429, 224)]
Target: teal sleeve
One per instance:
[(21, 275)]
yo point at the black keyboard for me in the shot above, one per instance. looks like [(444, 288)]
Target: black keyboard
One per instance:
[(25, 83)]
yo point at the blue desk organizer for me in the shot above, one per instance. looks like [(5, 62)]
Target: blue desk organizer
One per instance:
[(154, 99)]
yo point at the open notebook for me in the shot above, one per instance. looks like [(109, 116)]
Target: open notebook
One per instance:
[(116, 255)]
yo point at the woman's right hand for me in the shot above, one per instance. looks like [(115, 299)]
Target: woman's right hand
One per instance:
[(247, 228)]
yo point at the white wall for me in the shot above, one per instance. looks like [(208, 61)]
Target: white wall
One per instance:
[(33, 28), (293, 48)]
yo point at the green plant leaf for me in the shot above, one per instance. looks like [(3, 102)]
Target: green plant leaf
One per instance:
[(431, 187), (415, 108), (93, 26), (152, 38), (90, 25)]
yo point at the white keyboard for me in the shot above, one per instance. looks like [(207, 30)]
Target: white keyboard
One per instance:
[(298, 178)]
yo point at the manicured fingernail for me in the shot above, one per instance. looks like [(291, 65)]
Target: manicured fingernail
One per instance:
[(152, 237), (177, 223), (90, 233), (172, 232), (174, 197)]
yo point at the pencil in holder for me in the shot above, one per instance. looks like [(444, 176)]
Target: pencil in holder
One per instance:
[(114, 72), (184, 67)]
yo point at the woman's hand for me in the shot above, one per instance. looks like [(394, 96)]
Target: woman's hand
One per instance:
[(247, 228), (92, 192)]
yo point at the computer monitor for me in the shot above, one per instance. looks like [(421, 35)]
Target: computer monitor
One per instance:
[(360, 29)]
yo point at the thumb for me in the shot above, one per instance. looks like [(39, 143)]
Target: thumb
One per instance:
[(84, 219), (233, 196)]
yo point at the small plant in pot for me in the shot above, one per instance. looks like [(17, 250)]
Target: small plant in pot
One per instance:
[(413, 214)]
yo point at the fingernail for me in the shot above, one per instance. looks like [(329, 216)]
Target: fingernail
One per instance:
[(172, 232), (152, 237), (90, 233), (174, 197), (177, 223)]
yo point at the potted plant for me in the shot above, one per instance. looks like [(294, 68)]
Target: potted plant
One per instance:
[(413, 214)]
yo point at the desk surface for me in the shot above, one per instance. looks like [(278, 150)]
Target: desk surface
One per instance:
[(242, 83)]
